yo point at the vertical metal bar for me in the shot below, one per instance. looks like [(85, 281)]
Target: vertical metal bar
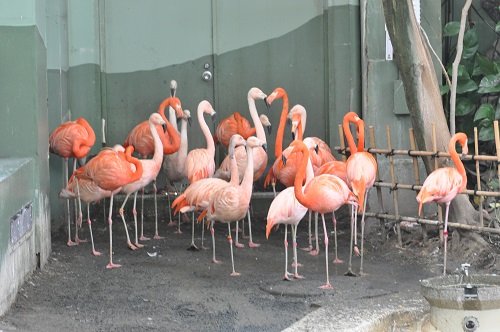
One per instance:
[(416, 174), (436, 165), (478, 177), (342, 142), (371, 133), (395, 195)]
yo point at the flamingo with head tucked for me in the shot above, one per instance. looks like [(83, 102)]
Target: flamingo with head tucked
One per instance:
[(444, 184), (233, 124), (72, 139)]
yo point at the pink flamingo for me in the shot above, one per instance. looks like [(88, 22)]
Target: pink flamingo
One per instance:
[(200, 163), (286, 209), (150, 170), (111, 170), (361, 169), (231, 203), (233, 124), (197, 195), (72, 139), (259, 155), (445, 183), (323, 194)]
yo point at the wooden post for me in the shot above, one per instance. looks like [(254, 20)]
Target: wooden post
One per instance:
[(342, 142), (416, 174), (497, 144), (436, 166), (395, 195), (478, 177), (371, 133)]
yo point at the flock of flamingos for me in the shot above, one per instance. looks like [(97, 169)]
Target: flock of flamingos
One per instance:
[(314, 180)]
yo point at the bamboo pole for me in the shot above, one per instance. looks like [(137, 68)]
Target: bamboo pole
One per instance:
[(478, 178), (371, 133), (416, 174), (497, 144), (418, 187), (436, 165), (342, 142), (395, 195)]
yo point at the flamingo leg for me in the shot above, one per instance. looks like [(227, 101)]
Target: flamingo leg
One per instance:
[(296, 263), (203, 234), (111, 265), (193, 246), (309, 248), (363, 233), (212, 232), (315, 252), (89, 222), (327, 285), (234, 273), (243, 235), (237, 243), (156, 236), (336, 260), (122, 215), (251, 244), (445, 234), (70, 243), (349, 268), (78, 222), (134, 212), (274, 188), (285, 242), (171, 222), (178, 231), (142, 237)]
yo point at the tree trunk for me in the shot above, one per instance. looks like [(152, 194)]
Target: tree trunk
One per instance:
[(424, 99)]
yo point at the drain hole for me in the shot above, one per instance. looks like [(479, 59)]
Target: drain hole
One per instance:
[(470, 324)]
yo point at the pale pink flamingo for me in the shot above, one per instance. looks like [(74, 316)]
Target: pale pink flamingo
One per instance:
[(197, 195), (361, 169), (110, 170), (259, 155), (444, 184), (286, 209), (150, 170), (231, 203), (323, 194), (233, 124), (72, 139)]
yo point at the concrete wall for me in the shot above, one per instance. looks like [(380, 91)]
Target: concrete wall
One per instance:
[(24, 168)]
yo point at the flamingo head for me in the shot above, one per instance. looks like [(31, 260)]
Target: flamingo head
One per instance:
[(276, 94), (266, 123), (176, 104), (461, 138), (156, 119), (187, 117), (235, 141), (173, 87), (256, 93), (254, 142)]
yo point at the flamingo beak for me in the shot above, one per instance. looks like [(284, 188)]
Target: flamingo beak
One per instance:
[(264, 146), (316, 148), (189, 121), (164, 126), (214, 117), (283, 159), (293, 136), (268, 105), (269, 129), (269, 227)]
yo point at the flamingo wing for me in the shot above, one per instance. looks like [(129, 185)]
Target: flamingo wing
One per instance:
[(199, 165)]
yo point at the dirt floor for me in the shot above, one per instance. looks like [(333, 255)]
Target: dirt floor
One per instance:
[(164, 287)]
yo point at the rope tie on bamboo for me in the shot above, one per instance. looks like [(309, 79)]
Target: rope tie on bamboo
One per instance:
[(342, 151), (410, 153), (413, 187), (394, 187), (435, 155), (391, 153), (369, 150)]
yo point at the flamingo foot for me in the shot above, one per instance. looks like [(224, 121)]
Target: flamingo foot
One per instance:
[(314, 252), (204, 248), (307, 248), (143, 238), (78, 240), (193, 247), (157, 237), (113, 265), (171, 224), (235, 274), (96, 253), (349, 273), (326, 286), (286, 277), (337, 261), (138, 245), (356, 251), (71, 243), (298, 265), (253, 244), (216, 261), (178, 231), (131, 246), (298, 276), (239, 245)]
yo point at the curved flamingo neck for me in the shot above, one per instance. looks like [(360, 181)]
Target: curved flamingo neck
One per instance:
[(361, 135), (235, 176), (158, 151), (137, 163), (278, 148), (462, 139), (204, 128), (259, 129), (184, 137), (172, 117), (247, 182), (170, 139), (82, 146), (161, 109), (299, 177), (348, 135)]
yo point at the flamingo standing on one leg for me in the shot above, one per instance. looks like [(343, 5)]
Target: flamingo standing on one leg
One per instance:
[(445, 183), (231, 203), (323, 194), (286, 209), (259, 155), (141, 138), (72, 139), (110, 170), (361, 170), (200, 163), (197, 195), (150, 170)]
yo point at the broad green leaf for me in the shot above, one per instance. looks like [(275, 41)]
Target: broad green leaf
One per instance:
[(451, 29), (464, 106), (471, 43), (484, 112), (490, 84), (466, 86), (486, 134), (494, 184), (485, 65), (444, 89)]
